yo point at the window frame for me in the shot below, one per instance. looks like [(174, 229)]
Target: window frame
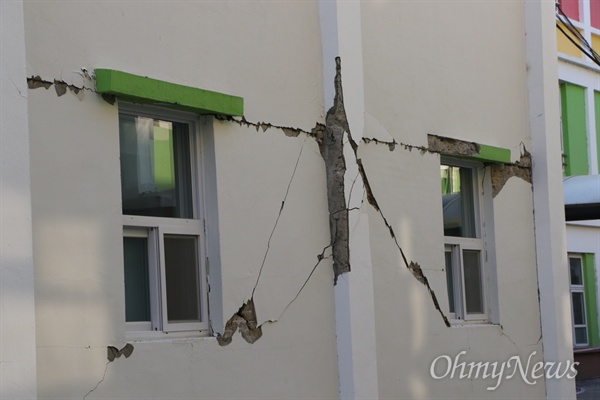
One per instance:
[(580, 288), (155, 229), (457, 245)]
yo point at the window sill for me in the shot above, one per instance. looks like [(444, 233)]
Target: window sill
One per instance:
[(156, 337), (586, 349), (472, 324)]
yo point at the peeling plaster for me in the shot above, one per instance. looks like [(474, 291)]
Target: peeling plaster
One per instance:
[(439, 144), (61, 87), (331, 143), (336, 120), (245, 321), (287, 130), (113, 352), (502, 173)]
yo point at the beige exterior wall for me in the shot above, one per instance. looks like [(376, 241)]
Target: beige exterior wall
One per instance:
[(454, 69), (276, 67)]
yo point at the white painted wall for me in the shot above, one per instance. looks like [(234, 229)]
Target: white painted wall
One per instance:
[(548, 190), (276, 66), (408, 69), (17, 312)]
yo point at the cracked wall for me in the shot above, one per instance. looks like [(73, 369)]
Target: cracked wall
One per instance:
[(277, 220), (427, 86)]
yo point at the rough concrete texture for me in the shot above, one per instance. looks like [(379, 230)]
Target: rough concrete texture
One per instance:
[(330, 140), (113, 352), (439, 144), (245, 321), (501, 173)]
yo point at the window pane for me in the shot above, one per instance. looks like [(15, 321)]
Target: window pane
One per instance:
[(570, 8), (578, 308), (182, 278), (458, 201), (137, 290), (581, 335), (576, 272), (155, 167), (450, 279), (472, 276)]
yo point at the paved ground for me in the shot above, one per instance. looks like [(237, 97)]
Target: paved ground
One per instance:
[(588, 389)]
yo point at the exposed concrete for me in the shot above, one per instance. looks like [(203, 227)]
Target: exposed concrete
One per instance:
[(331, 144), (439, 144), (113, 352), (60, 86), (245, 321), (501, 173)]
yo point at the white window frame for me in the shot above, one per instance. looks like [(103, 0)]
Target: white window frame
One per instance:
[(457, 245), (155, 228), (578, 289), (587, 30)]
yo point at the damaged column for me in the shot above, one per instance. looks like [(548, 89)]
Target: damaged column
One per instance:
[(354, 296)]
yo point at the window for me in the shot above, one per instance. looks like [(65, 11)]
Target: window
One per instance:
[(163, 225), (584, 15), (464, 263), (578, 308)]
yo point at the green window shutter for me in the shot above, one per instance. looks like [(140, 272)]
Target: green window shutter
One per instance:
[(574, 129), (591, 299)]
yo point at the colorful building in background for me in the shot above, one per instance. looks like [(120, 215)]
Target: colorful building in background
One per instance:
[(578, 37)]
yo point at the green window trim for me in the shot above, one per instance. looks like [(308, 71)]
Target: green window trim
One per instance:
[(146, 90), (492, 154), (574, 129), (591, 303)]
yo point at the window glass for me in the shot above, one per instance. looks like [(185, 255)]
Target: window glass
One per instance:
[(570, 8), (581, 335), (155, 167), (576, 271), (458, 201), (182, 280), (137, 291), (473, 282), (449, 278), (578, 308)]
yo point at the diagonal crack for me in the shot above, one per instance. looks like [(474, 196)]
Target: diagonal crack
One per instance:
[(320, 258), (414, 267), (99, 382), (287, 191)]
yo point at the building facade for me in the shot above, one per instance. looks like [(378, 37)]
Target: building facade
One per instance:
[(281, 200), (579, 82)]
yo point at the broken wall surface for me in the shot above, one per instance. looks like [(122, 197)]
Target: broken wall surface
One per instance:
[(272, 205), (418, 75), (465, 81)]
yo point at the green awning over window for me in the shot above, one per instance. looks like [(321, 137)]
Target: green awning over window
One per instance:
[(141, 89)]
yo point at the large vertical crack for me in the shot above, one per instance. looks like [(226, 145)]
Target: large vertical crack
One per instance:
[(331, 145)]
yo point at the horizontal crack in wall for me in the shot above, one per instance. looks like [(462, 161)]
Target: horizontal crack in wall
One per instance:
[(287, 130), (36, 82), (440, 144)]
